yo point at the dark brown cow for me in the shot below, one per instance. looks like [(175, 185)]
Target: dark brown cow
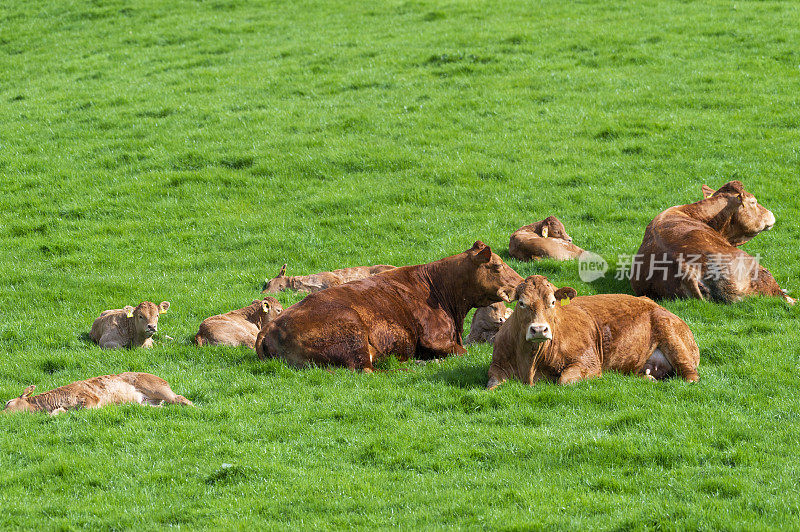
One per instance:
[(486, 322), (547, 239), (320, 281), (550, 336), (690, 251), (412, 311)]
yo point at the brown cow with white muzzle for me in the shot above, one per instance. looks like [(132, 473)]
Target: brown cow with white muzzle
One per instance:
[(412, 311), (690, 251), (552, 336), (547, 239)]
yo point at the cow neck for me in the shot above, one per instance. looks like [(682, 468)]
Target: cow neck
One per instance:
[(716, 212), (442, 280), (46, 401), (128, 329), (250, 312)]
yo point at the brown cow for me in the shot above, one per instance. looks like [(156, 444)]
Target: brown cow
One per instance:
[(238, 327), (142, 388), (320, 281), (486, 322), (129, 326), (413, 311), (547, 239), (690, 251), (550, 336)]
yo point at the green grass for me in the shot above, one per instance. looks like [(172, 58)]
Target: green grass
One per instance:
[(186, 152)]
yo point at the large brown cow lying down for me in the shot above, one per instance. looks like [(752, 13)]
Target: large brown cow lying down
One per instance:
[(320, 281), (545, 339), (142, 388), (547, 239), (692, 250), (412, 311), (486, 322), (238, 327), (129, 326)]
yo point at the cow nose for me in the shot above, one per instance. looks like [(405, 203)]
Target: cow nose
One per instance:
[(539, 331), (151, 328), (770, 221)]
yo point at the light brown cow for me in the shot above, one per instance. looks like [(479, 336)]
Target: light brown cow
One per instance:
[(412, 311), (129, 326), (142, 388), (547, 239), (238, 327), (690, 251), (486, 322), (320, 281), (551, 336)]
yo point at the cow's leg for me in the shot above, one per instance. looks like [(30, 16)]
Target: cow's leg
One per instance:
[(765, 284), (494, 382), (110, 340), (682, 355), (576, 372), (58, 411)]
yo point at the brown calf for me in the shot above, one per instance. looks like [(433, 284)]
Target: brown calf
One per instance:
[(550, 336), (238, 327), (320, 281), (690, 251), (543, 240), (413, 311), (486, 322), (129, 326), (142, 388)]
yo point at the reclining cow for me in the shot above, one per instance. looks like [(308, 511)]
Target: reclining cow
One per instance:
[(238, 327), (486, 322), (142, 388), (129, 326), (547, 239), (690, 251), (320, 281), (551, 336), (412, 311)]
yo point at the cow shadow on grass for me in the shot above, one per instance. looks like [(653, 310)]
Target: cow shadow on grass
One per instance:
[(86, 338), (472, 375), (609, 284)]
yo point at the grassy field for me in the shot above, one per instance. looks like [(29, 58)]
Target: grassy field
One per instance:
[(185, 152)]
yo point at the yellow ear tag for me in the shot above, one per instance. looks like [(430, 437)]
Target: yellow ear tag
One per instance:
[(265, 307), (162, 311), (545, 232), (129, 314), (709, 196), (565, 302)]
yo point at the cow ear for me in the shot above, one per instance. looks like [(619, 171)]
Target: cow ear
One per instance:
[(28, 391), (283, 270), (163, 307), (566, 292), (545, 231), (484, 255), (707, 191), (129, 311)]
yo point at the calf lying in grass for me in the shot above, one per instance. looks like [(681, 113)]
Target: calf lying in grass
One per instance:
[(552, 337), (320, 281), (142, 388), (547, 239), (486, 322), (129, 326), (238, 327)]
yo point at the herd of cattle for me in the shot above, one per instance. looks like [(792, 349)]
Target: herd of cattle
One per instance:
[(354, 317)]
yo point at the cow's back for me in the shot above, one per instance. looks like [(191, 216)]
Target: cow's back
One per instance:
[(108, 319)]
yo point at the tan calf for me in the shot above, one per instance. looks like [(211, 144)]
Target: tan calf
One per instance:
[(129, 326), (238, 327), (320, 281), (547, 239), (486, 322), (551, 336), (142, 388)]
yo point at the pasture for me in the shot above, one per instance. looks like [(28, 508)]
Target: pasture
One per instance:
[(184, 151)]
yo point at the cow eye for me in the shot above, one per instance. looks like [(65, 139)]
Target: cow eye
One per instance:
[(521, 304), (553, 303)]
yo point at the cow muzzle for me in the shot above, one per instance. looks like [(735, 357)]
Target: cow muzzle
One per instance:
[(770, 221), (538, 332), (150, 330)]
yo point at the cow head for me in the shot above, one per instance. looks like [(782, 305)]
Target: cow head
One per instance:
[(744, 217), (21, 404), (278, 283), (551, 227), (493, 279), (270, 308), (538, 300), (145, 317), (496, 313)]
